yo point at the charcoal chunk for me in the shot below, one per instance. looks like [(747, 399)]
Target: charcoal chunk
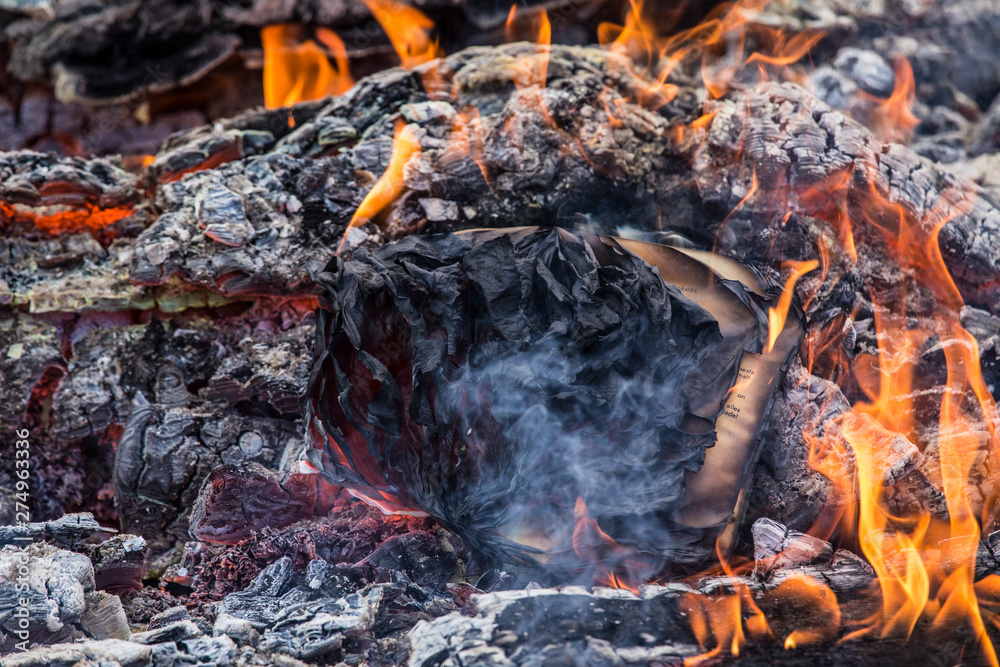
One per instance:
[(310, 629)]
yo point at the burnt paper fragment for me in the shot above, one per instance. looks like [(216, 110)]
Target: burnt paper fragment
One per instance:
[(500, 380)]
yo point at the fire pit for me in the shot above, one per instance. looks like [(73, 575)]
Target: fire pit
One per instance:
[(448, 333)]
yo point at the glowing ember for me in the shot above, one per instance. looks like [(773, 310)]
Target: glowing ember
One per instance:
[(54, 220), (227, 154)]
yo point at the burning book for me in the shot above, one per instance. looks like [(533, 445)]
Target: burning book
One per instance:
[(551, 397)]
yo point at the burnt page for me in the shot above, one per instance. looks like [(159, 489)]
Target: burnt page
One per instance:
[(715, 494)]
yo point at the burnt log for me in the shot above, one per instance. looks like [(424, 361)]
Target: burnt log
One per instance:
[(515, 167), (301, 213), (791, 143), (213, 241), (653, 625), (305, 191), (169, 447), (124, 51)]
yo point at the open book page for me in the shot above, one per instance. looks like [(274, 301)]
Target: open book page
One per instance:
[(713, 493), (737, 322)]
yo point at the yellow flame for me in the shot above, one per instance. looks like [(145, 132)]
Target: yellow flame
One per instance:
[(531, 71)]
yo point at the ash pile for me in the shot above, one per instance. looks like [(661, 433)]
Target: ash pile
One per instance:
[(247, 451)]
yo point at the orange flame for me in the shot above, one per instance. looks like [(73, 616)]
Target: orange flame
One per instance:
[(827, 200), (787, 50), (777, 315), (893, 118), (594, 548), (296, 70), (719, 616), (636, 39), (408, 29), (925, 566), (831, 456), (532, 71), (405, 145), (335, 45), (696, 129), (714, 619), (719, 41), (904, 579)]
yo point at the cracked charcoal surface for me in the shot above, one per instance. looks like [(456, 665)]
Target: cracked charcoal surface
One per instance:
[(112, 359), (169, 447), (637, 169), (345, 537), (789, 139), (299, 198), (245, 411), (237, 500), (313, 612), (499, 102)]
